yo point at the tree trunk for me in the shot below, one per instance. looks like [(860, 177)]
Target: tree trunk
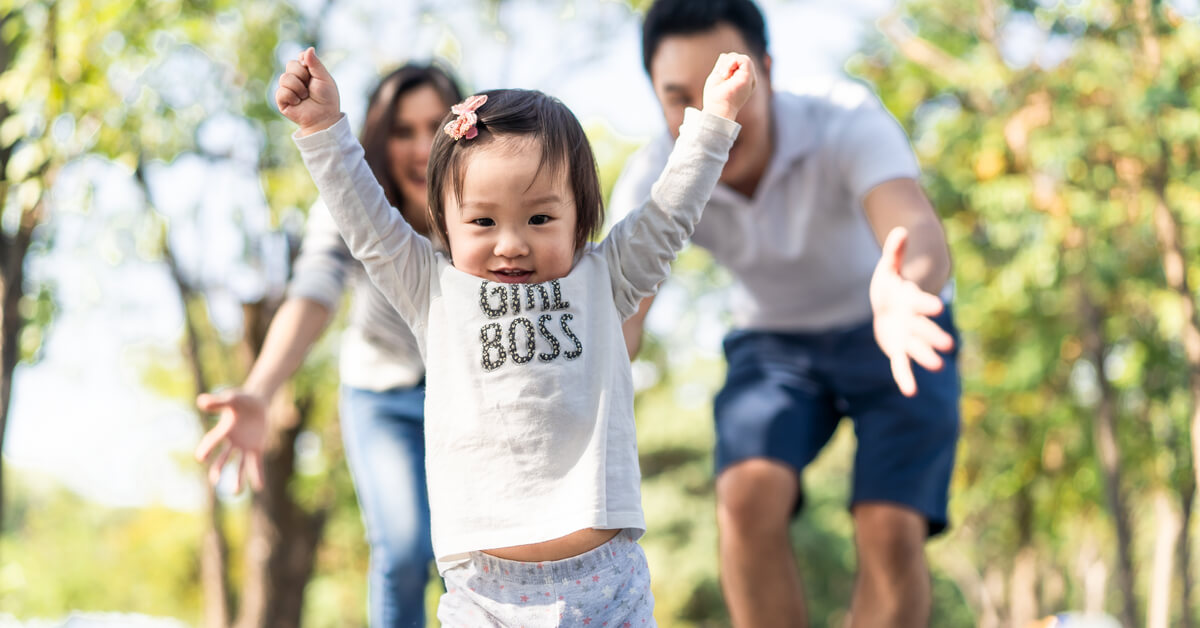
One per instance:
[(963, 569), (12, 272), (1185, 556), (993, 583), (214, 549), (1109, 452), (1187, 498), (214, 575), (214, 553), (1022, 597), (12, 275), (282, 540), (1158, 611), (1166, 228), (1093, 573), (1022, 588)]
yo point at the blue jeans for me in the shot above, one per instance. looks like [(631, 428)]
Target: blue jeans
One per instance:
[(384, 434)]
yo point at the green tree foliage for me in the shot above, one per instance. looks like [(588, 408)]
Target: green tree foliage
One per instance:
[(137, 83), (63, 552), (1052, 137)]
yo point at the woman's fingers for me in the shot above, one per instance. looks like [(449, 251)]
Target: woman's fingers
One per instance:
[(241, 471), (210, 439), (213, 402), (254, 466), (214, 470)]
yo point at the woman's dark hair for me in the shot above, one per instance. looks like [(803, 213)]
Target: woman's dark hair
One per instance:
[(529, 114), (381, 116), (686, 17)]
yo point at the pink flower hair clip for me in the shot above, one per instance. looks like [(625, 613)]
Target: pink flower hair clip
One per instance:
[(464, 125)]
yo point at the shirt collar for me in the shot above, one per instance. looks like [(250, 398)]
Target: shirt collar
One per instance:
[(794, 138), (793, 131)]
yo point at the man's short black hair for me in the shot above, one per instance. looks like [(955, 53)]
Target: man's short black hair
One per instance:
[(685, 17)]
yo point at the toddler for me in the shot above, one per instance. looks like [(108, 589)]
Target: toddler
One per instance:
[(530, 446)]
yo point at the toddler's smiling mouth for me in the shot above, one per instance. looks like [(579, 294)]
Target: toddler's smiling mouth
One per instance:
[(512, 275)]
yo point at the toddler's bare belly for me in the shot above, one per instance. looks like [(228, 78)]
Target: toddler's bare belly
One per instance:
[(567, 546)]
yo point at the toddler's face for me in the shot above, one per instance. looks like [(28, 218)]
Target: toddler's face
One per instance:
[(513, 223)]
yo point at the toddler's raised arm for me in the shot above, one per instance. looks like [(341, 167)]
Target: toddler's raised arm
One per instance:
[(397, 259), (640, 248)]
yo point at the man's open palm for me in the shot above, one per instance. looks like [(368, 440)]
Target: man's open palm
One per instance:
[(901, 311)]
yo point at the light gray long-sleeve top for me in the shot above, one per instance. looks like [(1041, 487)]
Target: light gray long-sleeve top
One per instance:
[(529, 430)]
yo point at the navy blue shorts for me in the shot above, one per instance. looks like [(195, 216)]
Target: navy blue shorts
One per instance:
[(785, 393)]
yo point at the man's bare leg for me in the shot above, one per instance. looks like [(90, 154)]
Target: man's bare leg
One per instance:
[(892, 587), (758, 568)]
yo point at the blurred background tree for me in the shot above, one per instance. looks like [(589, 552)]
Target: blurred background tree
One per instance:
[(1059, 142), (106, 76)]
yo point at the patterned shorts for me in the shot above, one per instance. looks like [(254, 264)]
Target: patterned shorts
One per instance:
[(608, 586)]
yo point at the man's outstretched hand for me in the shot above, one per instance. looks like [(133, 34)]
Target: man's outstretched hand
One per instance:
[(901, 311)]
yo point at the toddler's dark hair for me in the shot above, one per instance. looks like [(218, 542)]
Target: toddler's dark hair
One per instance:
[(522, 113)]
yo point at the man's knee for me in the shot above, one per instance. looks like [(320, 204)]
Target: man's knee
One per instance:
[(756, 496), (893, 587), (890, 538)]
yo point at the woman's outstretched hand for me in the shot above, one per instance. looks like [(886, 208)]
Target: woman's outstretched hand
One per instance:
[(729, 85), (242, 429), (307, 94)]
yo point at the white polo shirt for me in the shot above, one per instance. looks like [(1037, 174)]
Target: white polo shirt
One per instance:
[(801, 250)]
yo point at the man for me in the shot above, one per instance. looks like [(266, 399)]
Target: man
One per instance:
[(825, 326)]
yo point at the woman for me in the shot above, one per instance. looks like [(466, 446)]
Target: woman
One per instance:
[(383, 393)]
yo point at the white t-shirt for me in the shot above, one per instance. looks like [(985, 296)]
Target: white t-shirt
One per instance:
[(801, 250), (529, 425)]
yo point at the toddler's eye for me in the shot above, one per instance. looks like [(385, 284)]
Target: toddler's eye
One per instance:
[(539, 219), (484, 222)]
